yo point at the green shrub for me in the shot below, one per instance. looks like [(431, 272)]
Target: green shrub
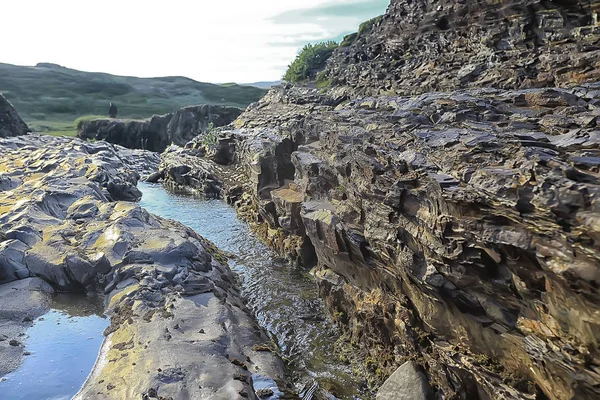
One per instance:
[(210, 137), (367, 26), (349, 39), (323, 80), (364, 29), (310, 60)]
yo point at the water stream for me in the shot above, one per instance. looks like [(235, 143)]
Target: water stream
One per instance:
[(62, 347), (284, 299)]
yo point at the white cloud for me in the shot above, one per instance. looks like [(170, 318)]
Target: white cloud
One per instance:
[(214, 41)]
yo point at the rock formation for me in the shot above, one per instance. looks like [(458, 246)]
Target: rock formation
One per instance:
[(458, 228), (424, 45), (158, 132), (178, 326), (11, 123)]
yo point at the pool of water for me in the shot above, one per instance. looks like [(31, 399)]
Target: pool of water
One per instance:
[(61, 347), (284, 299)]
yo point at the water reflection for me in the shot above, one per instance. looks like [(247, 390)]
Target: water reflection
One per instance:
[(61, 349)]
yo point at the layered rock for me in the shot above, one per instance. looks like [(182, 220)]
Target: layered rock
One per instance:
[(11, 123), (178, 326), (456, 229), (424, 45), (160, 131)]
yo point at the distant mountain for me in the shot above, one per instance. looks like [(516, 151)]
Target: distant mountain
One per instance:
[(263, 85), (50, 97)]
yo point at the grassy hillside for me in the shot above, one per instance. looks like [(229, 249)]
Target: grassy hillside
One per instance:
[(50, 98)]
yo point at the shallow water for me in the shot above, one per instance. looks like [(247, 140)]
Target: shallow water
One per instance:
[(64, 345), (284, 299)]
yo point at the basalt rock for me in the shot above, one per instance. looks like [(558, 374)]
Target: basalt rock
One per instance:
[(425, 45), (179, 328), (160, 131), (11, 123)]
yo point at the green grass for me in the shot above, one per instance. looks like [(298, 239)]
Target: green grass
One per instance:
[(50, 98), (79, 121)]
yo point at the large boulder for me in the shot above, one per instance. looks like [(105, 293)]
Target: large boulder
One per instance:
[(406, 383), (11, 123), (160, 131)]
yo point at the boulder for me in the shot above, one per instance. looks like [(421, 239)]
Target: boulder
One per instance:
[(406, 383), (11, 123)]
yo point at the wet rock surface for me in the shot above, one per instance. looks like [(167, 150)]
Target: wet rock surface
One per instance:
[(457, 229), (178, 326), (425, 45), (160, 131), (11, 123)]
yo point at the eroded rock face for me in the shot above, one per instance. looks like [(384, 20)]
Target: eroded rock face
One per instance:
[(426, 45), (159, 131), (178, 326), (458, 229), (11, 123)]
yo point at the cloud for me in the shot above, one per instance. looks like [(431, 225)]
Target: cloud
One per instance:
[(321, 15), (328, 21), (223, 41)]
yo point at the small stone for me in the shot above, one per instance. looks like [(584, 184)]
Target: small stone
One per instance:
[(264, 392)]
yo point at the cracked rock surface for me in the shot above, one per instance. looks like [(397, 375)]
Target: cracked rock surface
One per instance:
[(178, 328)]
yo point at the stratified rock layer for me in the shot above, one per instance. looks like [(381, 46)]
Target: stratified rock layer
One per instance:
[(179, 329), (159, 131), (424, 45), (11, 123), (459, 230)]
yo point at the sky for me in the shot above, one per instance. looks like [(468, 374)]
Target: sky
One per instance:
[(216, 41)]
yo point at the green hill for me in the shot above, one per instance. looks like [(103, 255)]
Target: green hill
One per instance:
[(50, 97)]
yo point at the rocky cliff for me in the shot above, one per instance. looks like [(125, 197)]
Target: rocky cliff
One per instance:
[(159, 131), (179, 328), (11, 123), (457, 229), (424, 45)]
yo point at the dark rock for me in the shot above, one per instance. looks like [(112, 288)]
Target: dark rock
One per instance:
[(160, 131), (455, 232), (11, 123), (425, 45)]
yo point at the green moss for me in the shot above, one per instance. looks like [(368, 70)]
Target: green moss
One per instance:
[(488, 362)]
